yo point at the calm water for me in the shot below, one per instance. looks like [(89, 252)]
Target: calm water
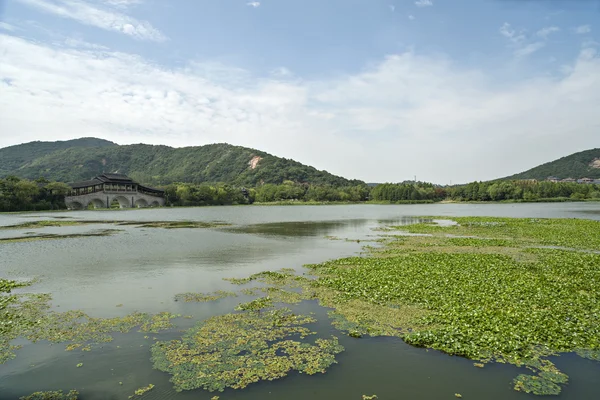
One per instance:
[(144, 268)]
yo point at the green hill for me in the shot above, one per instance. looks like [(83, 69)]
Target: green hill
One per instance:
[(14, 157), (83, 159), (585, 164)]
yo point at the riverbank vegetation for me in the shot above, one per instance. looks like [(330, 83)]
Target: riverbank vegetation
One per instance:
[(22, 195)]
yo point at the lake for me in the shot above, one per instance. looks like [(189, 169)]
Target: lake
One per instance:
[(142, 269)]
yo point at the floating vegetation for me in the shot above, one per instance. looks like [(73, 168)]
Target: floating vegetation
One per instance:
[(139, 224), (175, 224), (51, 236), (235, 350), (41, 224), (55, 395), (490, 295), (28, 316), (458, 395), (141, 391), (589, 354), (79, 365), (204, 297), (269, 277), (536, 385), (256, 305), (371, 397)]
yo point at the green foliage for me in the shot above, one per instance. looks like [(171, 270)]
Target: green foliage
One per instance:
[(256, 304), (27, 316), (157, 165), (22, 195), (403, 192), (536, 385), (573, 166), (55, 395), (141, 391), (235, 350), (522, 191), (485, 302), (204, 297)]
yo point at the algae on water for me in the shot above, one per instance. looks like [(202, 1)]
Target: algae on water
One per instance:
[(236, 350)]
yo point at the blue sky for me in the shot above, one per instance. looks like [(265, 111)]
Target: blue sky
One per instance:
[(377, 90)]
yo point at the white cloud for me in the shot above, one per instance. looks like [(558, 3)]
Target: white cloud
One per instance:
[(392, 8), (87, 14), (423, 3), (529, 49), (508, 32), (408, 114), (281, 72), (254, 4), (519, 41), (411, 17), (545, 32), (123, 3), (7, 27), (582, 29)]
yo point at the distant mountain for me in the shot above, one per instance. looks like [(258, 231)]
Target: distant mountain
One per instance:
[(14, 157), (82, 159), (585, 164)]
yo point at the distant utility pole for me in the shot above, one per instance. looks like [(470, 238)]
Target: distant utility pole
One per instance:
[(415, 179)]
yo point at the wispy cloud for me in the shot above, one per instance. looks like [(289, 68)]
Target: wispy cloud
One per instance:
[(545, 32), (429, 106), (392, 8), (511, 34), (87, 14), (529, 49), (520, 43), (411, 17), (7, 27), (582, 29), (423, 3), (254, 4), (123, 3)]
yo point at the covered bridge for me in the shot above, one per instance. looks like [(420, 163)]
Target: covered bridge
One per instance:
[(102, 190)]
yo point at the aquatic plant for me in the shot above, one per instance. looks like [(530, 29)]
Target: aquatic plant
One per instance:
[(235, 350), (27, 315), (491, 296), (141, 391), (204, 297), (54, 395), (256, 304)]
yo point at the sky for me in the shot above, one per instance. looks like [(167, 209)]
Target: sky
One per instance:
[(449, 91)]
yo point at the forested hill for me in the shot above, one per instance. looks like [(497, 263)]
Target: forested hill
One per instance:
[(14, 157), (83, 159), (585, 164)]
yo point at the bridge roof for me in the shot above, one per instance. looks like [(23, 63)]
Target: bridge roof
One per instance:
[(111, 178), (91, 182), (115, 178)]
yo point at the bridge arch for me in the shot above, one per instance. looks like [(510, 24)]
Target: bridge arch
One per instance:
[(123, 201), (97, 203), (141, 202), (75, 205), (155, 203)]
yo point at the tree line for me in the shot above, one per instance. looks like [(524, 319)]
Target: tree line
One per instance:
[(18, 194), (24, 195)]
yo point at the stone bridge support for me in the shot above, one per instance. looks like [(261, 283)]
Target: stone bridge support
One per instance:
[(105, 199)]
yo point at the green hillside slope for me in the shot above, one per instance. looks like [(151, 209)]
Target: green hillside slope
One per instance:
[(159, 165), (14, 157), (585, 164)]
